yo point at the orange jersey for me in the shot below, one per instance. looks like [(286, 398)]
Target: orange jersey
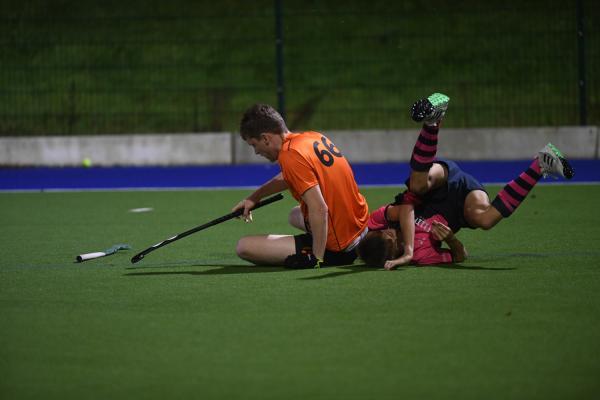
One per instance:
[(308, 159)]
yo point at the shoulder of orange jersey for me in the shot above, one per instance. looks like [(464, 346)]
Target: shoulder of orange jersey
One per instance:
[(295, 139)]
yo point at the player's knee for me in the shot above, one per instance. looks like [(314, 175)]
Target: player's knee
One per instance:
[(485, 223), (421, 182), (486, 226), (294, 220), (243, 249), (419, 188)]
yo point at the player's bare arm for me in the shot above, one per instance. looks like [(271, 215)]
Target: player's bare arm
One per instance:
[(406, 219), (317, 218), (405, 215), (444, 233), (458, 250), (274, 185)]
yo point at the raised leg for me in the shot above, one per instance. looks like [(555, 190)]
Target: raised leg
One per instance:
[(430, 111)]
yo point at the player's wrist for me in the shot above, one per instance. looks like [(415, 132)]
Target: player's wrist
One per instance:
[(451, 240), (254, 198)]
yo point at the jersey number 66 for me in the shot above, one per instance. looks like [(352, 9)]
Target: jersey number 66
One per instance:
[(326, 155)]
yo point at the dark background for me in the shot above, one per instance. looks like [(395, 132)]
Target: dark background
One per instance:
[(88, 67)]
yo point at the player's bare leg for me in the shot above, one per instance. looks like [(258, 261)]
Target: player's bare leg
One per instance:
[(480, 213), (422, 182), (266, 249)]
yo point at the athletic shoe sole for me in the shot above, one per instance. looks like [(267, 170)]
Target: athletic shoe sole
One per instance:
[(439, 101), (431, 109)]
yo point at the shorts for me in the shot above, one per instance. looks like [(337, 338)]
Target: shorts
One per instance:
[(331, 258), (449, 200)]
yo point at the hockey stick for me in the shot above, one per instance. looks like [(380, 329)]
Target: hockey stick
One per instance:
[(224, 218), (98, 254)]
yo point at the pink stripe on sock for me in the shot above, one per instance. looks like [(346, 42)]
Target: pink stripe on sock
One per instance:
[(528, 179), (422, 160), (535, 165), (502, 195), (427, 135), (515, 203), (426, 147), (518, 188)]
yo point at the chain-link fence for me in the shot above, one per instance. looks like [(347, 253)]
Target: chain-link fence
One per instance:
[(134, 67)]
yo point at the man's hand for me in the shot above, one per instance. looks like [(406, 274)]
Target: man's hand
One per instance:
[(302, 261), (246, 205), (441, 231), (393, 264)]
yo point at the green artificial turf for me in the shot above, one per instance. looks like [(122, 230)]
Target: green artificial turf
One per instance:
[(520, 319)]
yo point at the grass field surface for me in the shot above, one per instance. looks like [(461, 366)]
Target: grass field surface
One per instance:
[(519, 319)]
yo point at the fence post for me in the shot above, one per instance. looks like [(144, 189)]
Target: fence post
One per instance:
[(72, 116), (279, 57), (581, 62)]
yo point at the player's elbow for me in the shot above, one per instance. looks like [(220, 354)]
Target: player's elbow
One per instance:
[(323, 213), (458, 258), (319, 210), (315, 202)]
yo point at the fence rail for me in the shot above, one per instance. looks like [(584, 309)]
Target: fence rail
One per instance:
[(149, 67)]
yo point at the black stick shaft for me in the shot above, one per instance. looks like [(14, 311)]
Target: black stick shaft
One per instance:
[(214, 222)]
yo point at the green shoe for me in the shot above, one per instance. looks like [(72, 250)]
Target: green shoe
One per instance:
[(431, 110)]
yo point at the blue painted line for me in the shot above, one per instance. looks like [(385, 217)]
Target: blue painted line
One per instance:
[(42, 178), (497, 172), (135, 177)]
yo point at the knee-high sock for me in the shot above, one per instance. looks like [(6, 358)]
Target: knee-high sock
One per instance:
[(425, 149), (513, 194)]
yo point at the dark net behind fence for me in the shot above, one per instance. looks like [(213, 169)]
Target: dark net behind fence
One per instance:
[(111, 67)]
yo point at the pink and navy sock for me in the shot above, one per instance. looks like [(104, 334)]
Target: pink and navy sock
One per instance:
[(425, 149), (513, 194)]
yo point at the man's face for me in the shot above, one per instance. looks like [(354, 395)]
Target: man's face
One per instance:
[(265, 146)]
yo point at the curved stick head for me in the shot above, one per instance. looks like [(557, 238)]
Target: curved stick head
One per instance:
[(136, 258)]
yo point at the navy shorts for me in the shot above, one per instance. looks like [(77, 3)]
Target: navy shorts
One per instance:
[(449, 200), (304, 245)]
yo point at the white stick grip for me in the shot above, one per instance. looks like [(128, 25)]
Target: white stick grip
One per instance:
[(90, 256)]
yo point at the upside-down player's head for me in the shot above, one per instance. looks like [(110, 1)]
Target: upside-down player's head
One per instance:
[(259, 119), (379, 246)]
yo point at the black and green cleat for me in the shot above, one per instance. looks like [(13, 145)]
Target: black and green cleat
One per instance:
[(554, 163), (430, 110)]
